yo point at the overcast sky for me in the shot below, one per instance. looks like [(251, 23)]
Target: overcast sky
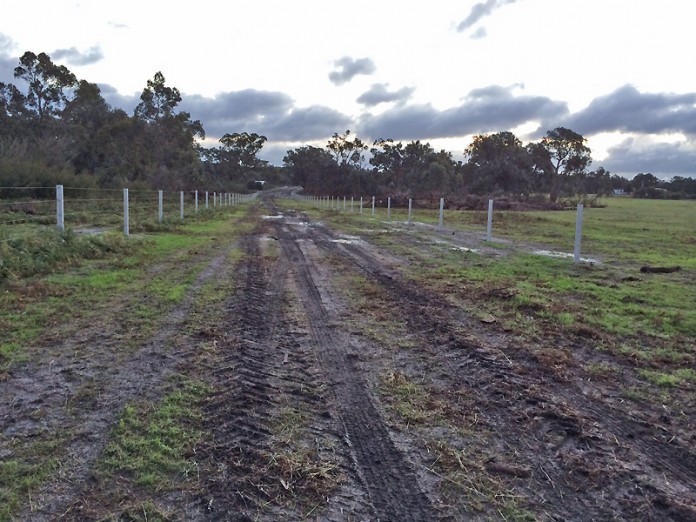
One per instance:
[(620, 72)]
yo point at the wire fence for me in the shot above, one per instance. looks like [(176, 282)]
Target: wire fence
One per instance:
[(26, 210)]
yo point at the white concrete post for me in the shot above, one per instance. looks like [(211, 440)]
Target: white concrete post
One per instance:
[(206, 200), (578, 234), (60, 211), (181, 199), (489, 228), (373, 206), (361, 204), (389, 209), (196, 203), (442, 209), (344, 203), (410, 208), (125, 212), (160, 206), (351, 203)]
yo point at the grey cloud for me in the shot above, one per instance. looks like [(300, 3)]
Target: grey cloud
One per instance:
[(7, 62), (480, 11), (6, 44), (269, 113), (479, 33), (628, 110), (489, 109), (75, 57), (378, 93), (661, 159), (118, 100), (349, 68)]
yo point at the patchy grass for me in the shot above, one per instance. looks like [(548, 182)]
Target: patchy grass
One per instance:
[(151, 443), (25, 471), (137, 279)]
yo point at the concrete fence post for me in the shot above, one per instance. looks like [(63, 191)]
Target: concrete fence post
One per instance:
[(389, 209), (126, 225), (160, 206), (410, 209), (181, 199), (578, 234), (361, 204), (351, 203), (489, 227), (442, 210), (206, 200), (373, 206), (60, 210)]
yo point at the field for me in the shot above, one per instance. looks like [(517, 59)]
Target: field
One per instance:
[(289, 362)]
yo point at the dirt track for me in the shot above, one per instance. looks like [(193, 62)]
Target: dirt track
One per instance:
[(311, 417)]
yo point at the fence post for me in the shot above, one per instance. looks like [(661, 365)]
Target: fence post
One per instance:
[(361, 204), (373, 206), (181, 198), (344, 203), (442, 209), (160, 206), (196, 203), (125, 212), (489, 228), (60, 212), (578, 234), (206, 200), (410, 207), (389, 209), (351, 203)]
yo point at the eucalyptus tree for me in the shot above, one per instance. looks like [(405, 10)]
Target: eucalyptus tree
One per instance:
[(48, 84)]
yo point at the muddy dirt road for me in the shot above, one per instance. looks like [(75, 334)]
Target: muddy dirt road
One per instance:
[(341, 389)]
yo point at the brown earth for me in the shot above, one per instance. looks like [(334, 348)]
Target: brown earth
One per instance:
[(343, 390)]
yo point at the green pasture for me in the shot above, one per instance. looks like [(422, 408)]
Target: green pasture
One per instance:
[(650, 318)]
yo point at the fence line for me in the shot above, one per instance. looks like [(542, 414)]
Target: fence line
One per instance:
[(107, 209), (328, 203)]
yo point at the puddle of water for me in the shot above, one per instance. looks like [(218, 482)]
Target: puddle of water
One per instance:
[(564, 255), (465, 249), (348, 240), (280, 216)]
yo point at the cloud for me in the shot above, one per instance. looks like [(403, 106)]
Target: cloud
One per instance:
[(378, 93), (6, 44), (628, 110), (349, 68), (490, 109), (117, 25), (75, 57), (118, 100), (269, 113), (664, 160), (480, 11)]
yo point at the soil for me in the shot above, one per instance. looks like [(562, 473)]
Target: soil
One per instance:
[(303, 421)]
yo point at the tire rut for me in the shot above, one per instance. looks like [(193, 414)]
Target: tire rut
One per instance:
[(388, 479), (593, 425)]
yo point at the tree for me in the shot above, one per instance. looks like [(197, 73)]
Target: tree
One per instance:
[(312, 168), (242, 148), (346, 152), (13, 111), (47, 83), (568, 155), (157, 101), (499, 162)]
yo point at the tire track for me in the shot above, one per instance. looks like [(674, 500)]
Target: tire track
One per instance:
[(586, 427), (388, 479)]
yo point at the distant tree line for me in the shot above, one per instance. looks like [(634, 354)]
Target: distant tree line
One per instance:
[(60, 127), (496, 165), (61, 130)]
